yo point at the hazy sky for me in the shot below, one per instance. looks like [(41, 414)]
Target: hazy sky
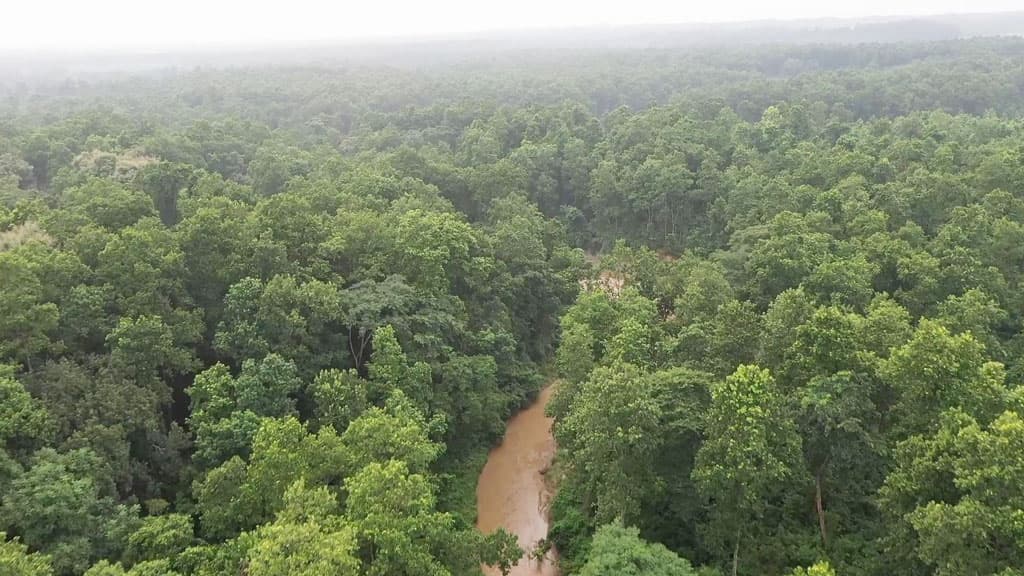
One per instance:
[(103, 24)]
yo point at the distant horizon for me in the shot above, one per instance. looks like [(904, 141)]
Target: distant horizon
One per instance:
[(195, 27)]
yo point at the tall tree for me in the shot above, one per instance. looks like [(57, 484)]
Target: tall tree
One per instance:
[(751, 447), (612, 435)]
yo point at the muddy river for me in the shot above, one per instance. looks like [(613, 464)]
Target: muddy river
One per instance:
[(512, 494)]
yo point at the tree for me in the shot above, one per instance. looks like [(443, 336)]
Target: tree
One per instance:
[(145, 348), (575, 361), (221, 246), (368, 305), (828, 343), (620, 551), (389, 370), (109, 204), (239, 334), (105, 568), (159, 537), (818, 569), (751, 447), (160, 567), (794, 246), (220, 502), (612, 435), (266, 387), (433, 248), (977, 313), (283, 451), (164, 182), (596, 310), (575, 356), (846, 281), (16, 560), (63, 506), (340, 397), (144, 266), (226, 411), (840, 433), (238, 496), (272, 166), (683, 396), (308, 538), (633, 344), (86, 318), (936, 371), (24, 423), (298, 320), (397, 432), (469, 400), (393, 513), (534, 267), (954, 500), (785, 315), (706, 289), (303, 550), (95, 406), (634, 331), (886, 326), (733, 333), (501, 549), (26, 319)]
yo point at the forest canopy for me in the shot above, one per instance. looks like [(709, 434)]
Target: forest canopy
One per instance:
[(269, 320)]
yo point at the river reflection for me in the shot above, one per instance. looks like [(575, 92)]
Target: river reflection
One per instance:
[(512, 494)]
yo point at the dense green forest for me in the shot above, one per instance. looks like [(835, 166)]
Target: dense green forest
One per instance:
[(268, 320)]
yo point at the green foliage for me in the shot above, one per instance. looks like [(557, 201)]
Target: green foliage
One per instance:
[(956, 498), (751, 447), (389, 370), (227, 411), (397, 432), (219, 500), (936, 371), (575, 361), (26, 319), (303, 550), (16, 560), (283, 451), (24, 423), (501, 549), (289, 309), (159, 537), (293, 319), (340, 397), (470, 401), (63, 506), (305, 539), (617, 550), (612, 435), (791, 247), (392, 511), (818, 569), (145, 348), (107, 204)]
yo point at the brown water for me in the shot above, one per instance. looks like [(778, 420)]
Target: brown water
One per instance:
[(512, 493)]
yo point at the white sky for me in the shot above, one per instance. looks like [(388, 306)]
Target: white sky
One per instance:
[(68, 25)]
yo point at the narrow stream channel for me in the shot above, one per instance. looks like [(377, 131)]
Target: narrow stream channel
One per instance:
[(512, 494)]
